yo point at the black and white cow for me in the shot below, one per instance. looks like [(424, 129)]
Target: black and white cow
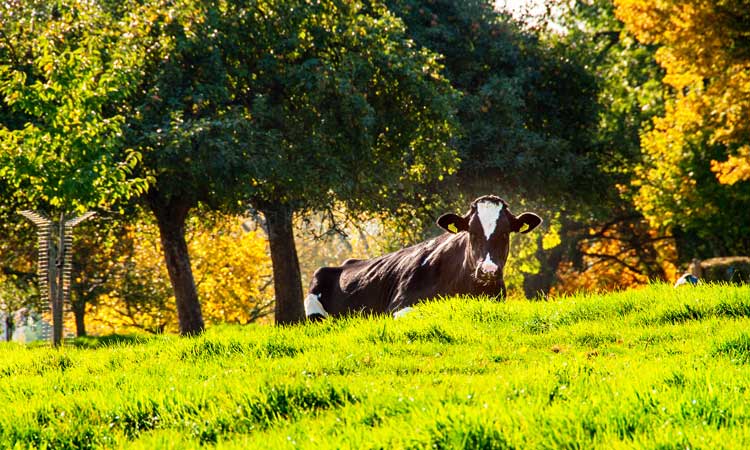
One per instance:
[(468, 259)]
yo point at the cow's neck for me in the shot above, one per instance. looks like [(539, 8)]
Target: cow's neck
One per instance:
[(458, 248)]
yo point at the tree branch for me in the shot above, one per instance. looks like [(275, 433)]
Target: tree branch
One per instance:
[(604, 257)]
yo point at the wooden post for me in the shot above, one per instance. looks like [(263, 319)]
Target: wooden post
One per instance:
[(55, 263)]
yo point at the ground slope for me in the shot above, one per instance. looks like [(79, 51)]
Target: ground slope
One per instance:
[(650, 368)]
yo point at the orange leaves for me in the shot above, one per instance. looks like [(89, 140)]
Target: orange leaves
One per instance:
[(602, 272), (619, 256), (232, 272)]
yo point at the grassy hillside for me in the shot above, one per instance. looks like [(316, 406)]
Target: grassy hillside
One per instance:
[(652, 368)]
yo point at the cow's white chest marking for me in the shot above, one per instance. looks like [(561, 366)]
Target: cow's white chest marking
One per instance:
[(488, 265), (488, 213), (313, 306)]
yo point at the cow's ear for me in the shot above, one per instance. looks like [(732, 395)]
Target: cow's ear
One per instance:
[(453, 223), (525, 222)]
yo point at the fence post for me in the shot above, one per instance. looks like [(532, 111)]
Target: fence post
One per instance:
[(55, 263)]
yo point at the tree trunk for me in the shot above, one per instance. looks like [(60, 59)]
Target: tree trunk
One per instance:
[(287, 281), (538, 285), (170, 217), (79, 311), (9, 327)]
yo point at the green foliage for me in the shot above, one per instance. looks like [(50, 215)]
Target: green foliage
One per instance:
[(628, 78), (602, 372), (526, 112), (293, 102), (181, 118), (680, 192), (64, 68)]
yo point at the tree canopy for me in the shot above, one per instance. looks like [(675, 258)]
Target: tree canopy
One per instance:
[(287, 106), (527, 110), (693, 179), (704, 48), (64, 67)]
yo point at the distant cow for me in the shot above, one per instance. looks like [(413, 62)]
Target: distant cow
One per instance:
[(468, 259)]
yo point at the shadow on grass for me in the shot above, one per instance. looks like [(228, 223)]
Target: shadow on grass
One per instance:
[(111, 340)]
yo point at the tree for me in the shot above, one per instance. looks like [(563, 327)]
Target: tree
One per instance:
[(607, 244), (62, 67), (189, 125), (526, 111), (629, 92), (620, 254), (705, 55), (289, 104), (232, 269), (704, 49)]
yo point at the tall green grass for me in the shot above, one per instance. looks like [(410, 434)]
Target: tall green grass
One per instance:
[(652, 368)]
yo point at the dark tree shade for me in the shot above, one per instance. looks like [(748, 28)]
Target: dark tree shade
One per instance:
[(526, 113)]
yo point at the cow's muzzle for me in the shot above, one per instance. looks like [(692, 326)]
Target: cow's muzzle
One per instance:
[(488, 267), (488, 275)]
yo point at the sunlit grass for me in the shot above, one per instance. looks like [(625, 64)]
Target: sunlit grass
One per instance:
[(650, 368)]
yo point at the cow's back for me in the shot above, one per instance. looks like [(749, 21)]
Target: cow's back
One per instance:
[(366, 285), (384, 283)]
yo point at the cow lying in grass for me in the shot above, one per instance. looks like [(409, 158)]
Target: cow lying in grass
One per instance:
[(468, 259)]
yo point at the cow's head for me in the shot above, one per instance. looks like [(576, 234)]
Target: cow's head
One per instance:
[(489, 224)]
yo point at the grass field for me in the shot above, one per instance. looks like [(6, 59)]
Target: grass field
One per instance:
[(651, 368)]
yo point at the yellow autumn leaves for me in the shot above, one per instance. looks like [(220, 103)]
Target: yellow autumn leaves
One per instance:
[(704, 48), (232, 274)]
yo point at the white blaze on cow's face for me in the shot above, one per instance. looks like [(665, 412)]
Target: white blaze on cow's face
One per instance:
[(491, 252), (488, 213)]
